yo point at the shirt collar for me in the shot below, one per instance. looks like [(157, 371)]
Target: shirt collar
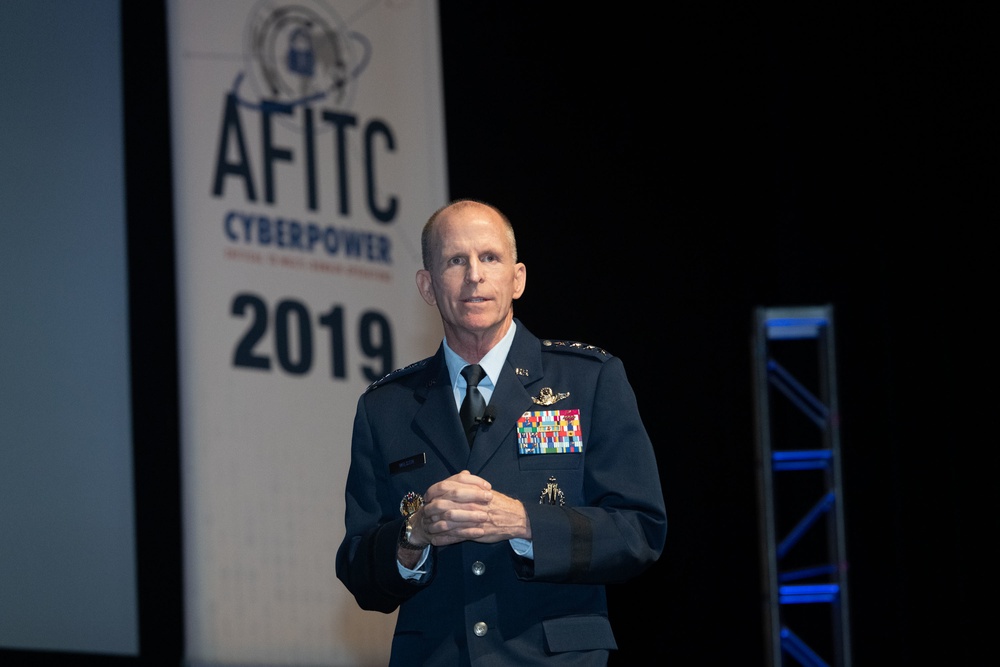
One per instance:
[(492, 363)]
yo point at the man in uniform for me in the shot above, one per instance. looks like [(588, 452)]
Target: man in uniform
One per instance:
[(496, 487)]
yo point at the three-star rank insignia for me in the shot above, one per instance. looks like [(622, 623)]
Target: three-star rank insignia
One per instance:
[(552, 494)]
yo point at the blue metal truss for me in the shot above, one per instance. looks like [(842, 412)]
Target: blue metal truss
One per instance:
[(804, 560)]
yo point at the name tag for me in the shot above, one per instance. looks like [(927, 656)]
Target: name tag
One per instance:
[(409, 463), (550, 432)]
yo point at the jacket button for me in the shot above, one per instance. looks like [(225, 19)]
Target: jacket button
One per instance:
[(478, 568), (480, 629)]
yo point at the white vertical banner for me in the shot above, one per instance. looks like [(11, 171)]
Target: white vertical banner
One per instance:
[(308, 150)]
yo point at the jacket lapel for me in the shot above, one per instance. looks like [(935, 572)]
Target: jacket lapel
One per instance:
[(437, 418)]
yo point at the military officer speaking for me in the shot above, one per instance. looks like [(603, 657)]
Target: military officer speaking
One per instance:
[(497, 486)]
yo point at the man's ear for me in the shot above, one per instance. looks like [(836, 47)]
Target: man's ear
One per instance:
[(520, 279), (425, 287)]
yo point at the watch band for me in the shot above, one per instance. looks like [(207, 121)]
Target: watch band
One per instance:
[(404, 537)]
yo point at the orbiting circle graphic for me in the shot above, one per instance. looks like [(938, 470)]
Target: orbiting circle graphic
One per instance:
[(300, 54)]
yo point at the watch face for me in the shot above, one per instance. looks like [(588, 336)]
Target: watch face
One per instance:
[(404, 537), (410, 503)]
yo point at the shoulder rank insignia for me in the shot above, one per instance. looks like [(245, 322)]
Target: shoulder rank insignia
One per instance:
[(574, 346), (547, 397), (388, 377), (552, 494)]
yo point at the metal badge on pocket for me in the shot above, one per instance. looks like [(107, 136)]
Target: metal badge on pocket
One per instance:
[(552, 494)]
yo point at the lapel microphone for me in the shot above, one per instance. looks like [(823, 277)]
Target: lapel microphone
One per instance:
[(488, 416)]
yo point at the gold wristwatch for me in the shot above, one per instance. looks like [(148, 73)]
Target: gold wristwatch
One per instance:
[(408, 506)]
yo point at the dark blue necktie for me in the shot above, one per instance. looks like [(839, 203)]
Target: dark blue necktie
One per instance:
[(473, 406)]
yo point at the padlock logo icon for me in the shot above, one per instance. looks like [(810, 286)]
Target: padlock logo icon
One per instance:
[(301, 58), (300, 54)]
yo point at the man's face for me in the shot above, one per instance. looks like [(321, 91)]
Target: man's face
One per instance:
[(474, 279)]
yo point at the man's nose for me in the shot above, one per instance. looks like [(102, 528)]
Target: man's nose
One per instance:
[(472, 273)]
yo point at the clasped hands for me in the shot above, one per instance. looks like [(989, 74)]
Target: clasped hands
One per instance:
[(465, 507)]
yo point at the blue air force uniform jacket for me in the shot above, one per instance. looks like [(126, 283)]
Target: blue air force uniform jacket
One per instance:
[(595, 505)]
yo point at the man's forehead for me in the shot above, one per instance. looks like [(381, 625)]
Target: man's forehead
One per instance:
[(473, 243), (478, 232)]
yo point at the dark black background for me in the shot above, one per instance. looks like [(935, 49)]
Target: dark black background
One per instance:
[(671, 167)]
